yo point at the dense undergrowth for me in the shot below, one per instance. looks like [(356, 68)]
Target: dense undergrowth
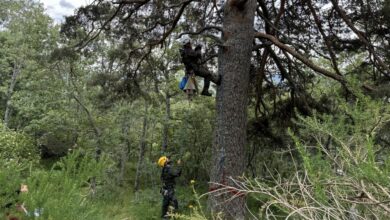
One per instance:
[(339, 168), (65, 191)]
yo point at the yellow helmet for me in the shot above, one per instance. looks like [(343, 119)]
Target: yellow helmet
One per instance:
[(161, 162)]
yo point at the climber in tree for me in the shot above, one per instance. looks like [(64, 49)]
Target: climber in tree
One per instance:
[(192, 62)]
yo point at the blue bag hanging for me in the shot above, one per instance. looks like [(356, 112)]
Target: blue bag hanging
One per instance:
[(183, 82)]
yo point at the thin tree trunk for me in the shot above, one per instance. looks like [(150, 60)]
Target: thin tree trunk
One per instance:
[(166, 123), (142, 146), (91, 120), (98, 134), (151, 173), (96, 130), (8, 108), (232, 96), (124, 154)]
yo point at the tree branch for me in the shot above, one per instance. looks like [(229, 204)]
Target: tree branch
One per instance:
[(201, 31), (90, 118), (300, 57), (326, 38), (174, 22), (131, 2), (361, 36), (86, 41)]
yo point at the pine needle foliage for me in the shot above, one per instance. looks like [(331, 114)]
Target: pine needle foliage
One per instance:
[(341, 172)]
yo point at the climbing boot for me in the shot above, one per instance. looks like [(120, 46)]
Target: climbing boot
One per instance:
[(206, 93)]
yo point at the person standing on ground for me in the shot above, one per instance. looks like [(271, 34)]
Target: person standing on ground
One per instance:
[(168, 176)]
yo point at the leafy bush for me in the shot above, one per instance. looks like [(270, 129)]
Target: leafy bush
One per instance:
[(17, 154), (66, 192), (341, 172), (63, 192), (17, 146), (10, 180)]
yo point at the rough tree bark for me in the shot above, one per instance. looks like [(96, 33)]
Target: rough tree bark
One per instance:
[(232, 97), (142, 145)]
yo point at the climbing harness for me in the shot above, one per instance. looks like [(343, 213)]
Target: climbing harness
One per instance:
[(191, 87)]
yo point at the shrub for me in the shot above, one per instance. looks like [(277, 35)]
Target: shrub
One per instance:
[(65, 191), (17, 154), (341, 173), (17, 146)]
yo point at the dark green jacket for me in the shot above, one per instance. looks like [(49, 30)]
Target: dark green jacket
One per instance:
[(168, 175), (190, 57)]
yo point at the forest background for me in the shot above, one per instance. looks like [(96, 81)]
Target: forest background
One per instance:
[(298, 127)]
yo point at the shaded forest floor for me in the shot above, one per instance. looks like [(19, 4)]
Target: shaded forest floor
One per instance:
[(144, 204)]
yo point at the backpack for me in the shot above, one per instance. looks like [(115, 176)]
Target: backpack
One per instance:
[(183, 82)]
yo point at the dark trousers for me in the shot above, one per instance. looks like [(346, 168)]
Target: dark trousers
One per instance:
[(168, 197)]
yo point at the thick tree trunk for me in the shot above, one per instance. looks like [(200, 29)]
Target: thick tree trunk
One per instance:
[(8, 108), (142, 146), (232, 97)]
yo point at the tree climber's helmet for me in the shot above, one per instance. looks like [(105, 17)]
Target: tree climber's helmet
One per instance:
[(185, 40), (161, 162)]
